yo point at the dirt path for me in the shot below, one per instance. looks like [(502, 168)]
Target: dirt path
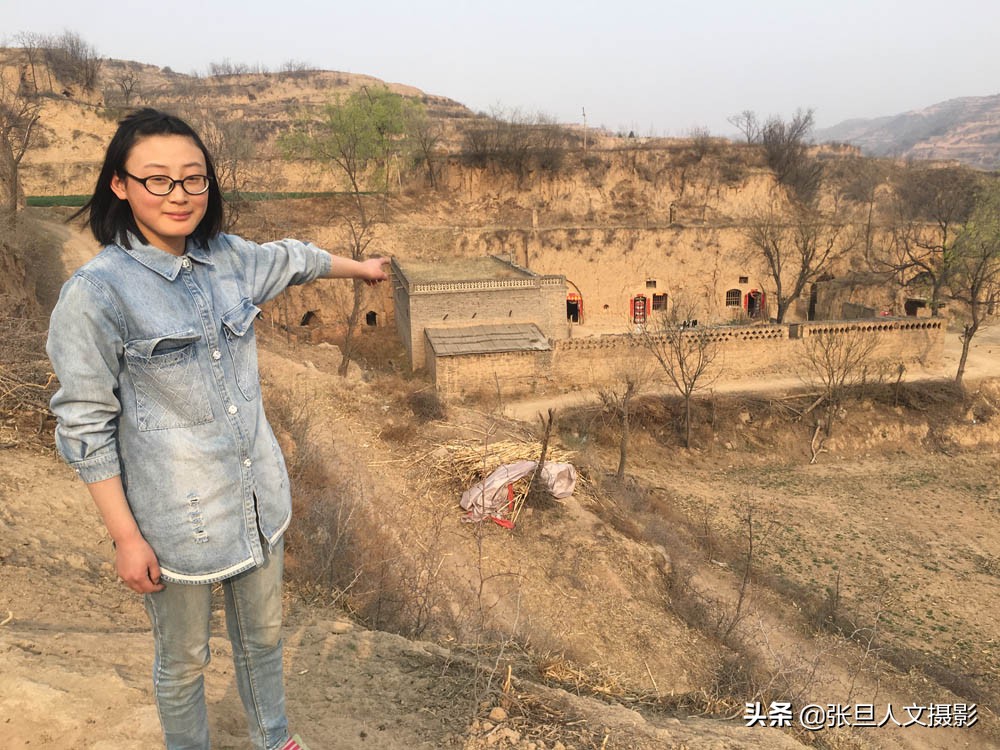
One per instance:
[(983, 362)]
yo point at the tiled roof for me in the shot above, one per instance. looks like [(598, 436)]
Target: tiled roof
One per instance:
[(486, 339)]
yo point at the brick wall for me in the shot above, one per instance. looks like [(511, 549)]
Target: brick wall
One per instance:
[(533, 299), (744, 352)]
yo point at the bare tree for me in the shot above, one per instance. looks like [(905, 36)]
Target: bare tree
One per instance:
[(795, 251), (786, 147), (748, 124), (865, 180), (233, 149), (296, 66), (931, 207), (618, 398), (227, 67), (515, 142), (686, 353), (127, 81), (836, 358), (973, 269), (34, 47), (426, 134), (73, 60), (702, 142), (20, 110)]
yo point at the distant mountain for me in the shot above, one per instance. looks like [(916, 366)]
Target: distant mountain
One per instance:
[(965, 130)]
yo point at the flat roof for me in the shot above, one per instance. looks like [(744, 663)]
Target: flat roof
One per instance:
[(486, 339), (483, 268)]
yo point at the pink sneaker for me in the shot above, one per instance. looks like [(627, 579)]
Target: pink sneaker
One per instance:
[(295, 743)]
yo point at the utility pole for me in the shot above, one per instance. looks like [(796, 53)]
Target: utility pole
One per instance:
[(584, 128)]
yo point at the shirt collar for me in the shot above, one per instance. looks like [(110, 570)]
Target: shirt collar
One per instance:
[(198, 252), (166, 264)]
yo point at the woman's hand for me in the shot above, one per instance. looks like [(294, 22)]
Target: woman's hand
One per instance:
[(134, 559), (370, 271), (373, 270), (137, 565)]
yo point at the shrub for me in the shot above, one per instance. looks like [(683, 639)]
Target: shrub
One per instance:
[(426, 405), (72, 60), (26, 382)]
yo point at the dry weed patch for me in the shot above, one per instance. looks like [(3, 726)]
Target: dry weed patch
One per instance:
[(841, 546), (466, 462), (26, 381), (342, 548)]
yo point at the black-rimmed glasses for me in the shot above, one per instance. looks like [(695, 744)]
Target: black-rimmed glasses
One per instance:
[(160, 184)]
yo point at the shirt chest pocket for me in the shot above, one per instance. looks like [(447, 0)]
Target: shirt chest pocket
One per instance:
[(169, 388), (237, 327)]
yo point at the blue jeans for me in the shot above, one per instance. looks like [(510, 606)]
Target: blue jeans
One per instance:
[(180, 615)]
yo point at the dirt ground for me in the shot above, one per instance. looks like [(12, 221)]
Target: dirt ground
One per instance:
[(892, 530), (75, 653)]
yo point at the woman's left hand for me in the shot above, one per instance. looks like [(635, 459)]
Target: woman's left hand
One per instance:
[(374, 270)]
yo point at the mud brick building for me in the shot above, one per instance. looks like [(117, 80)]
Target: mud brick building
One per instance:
[(435, 300)]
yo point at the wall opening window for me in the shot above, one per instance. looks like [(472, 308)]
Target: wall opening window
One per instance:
[(659, 302), (734, 298), (744, 279), (371, 318), (651, 283)]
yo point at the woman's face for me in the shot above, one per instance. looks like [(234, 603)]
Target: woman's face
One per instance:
[(165, 220)]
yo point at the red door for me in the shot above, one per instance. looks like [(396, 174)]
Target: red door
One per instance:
[(639, 309)]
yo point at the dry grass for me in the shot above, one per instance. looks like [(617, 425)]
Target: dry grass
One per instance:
[(665, 503), (469, 462), (595, 680), (872, 619), (26, 381)]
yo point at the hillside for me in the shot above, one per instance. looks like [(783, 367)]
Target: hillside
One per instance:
[(620, 595), (76, 124), (636, 615), (965, 130)]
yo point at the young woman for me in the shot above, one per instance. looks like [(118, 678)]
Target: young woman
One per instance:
[(159, 412)]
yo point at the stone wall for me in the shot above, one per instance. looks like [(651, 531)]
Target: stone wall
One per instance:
[(744, 353), (481, 375)]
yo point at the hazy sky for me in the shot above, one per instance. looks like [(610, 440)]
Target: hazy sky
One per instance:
[(656, 67)]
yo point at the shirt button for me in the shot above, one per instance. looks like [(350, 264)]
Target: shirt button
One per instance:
[(248, 463), (186, 263), (232, 409), (216, 355)]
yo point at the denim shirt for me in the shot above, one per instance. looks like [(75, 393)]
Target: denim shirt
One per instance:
[(157, 365)]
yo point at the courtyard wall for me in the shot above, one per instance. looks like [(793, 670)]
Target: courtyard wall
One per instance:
[(744, 353)]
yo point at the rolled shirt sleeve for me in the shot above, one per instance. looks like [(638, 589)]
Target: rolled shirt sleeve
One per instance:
[(85, 345)]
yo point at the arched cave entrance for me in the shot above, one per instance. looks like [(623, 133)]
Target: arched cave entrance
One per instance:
[(574, 308), (574, 304), (371, 318)]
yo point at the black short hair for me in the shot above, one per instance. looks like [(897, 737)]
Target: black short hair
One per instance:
[(111, 218)]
